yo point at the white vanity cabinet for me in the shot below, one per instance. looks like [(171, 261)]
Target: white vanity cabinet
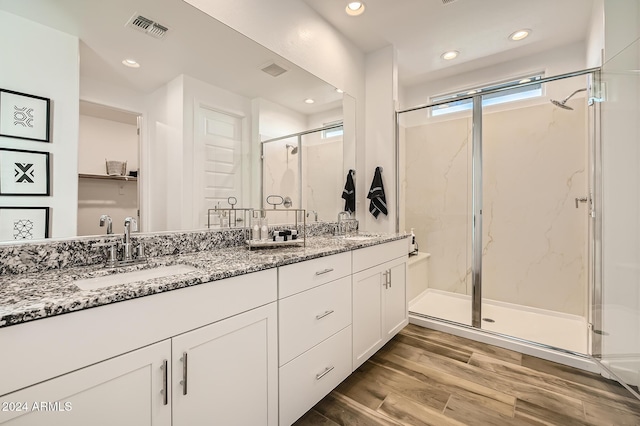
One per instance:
[(379, 297), (226, 374), (314, 310), (126, 390), (109, 362)]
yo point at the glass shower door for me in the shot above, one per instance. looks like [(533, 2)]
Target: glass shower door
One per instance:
[(535, 210), (616, 307), (435, 198)]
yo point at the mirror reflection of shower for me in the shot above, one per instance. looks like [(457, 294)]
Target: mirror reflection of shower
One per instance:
[(562, 104), (294, 151)]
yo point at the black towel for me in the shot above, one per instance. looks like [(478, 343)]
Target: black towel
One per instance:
[(376, 195), (349, 194)]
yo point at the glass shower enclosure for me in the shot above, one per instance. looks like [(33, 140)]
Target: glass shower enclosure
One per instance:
[(499, 198)]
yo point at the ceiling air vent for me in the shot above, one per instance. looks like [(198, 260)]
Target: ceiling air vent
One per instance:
[(273, 69), (445, 2), (147, 26)]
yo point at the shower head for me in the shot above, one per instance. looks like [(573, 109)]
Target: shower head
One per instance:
[(562, 104), (294, 150)]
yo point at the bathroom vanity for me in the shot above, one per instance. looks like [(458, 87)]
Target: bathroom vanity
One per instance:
[(244, 337)]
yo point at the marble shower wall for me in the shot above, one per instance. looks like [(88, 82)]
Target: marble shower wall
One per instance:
[(534, 238), (437, 190)]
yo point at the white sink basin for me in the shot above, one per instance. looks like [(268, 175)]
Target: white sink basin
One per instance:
[(130, 277)]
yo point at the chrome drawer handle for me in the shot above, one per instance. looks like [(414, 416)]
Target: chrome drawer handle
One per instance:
[(324, 271), (165, 381), (319, 317), (324, 373), (183, 382)]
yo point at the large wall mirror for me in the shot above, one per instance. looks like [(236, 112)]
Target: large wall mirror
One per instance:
[(188, 116)]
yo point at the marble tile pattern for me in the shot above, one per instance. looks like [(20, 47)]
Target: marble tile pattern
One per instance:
[(40, 294)]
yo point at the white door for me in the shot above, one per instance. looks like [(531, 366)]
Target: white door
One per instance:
[(231, 372), (126, 390), (218, 160)]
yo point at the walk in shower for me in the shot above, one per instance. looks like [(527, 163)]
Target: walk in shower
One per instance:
[(527, 215), (496, 185)]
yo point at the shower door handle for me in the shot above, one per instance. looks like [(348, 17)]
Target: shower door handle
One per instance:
[(581, 200)]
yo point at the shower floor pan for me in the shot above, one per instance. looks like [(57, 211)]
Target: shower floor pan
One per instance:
[(556, 329)]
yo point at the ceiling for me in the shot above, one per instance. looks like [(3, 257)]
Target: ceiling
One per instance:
[(421, 30), (196, 45)]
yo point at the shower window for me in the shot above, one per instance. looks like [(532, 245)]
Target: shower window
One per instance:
[(515, 94), (334, 131)]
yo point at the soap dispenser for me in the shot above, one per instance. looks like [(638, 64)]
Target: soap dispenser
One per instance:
[(412, 242)]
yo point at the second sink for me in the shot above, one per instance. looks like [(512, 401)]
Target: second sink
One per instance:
[(130, 277)]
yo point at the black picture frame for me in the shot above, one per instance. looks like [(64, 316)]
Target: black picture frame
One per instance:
[(24, 223), (24, 173), (24, 116)]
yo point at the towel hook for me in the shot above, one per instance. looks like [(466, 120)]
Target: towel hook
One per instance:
[(379, 168)]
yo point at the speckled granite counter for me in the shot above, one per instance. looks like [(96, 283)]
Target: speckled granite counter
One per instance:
[(31, 296)]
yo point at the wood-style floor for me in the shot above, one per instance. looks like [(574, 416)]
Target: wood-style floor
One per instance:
[(426, 377)]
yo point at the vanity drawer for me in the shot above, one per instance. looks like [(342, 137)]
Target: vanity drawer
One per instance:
[(369, 257), (310, 377), (306, 319), (302, 276)]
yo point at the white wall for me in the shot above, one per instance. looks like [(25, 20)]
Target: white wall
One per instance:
[(620, 132), (164, 152), (48, 67), (379, 148), (621, 25), (595, 35)]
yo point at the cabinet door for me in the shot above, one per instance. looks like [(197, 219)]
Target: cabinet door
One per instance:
[(126, 390), (368, 331), (227, 373), (395, 301)]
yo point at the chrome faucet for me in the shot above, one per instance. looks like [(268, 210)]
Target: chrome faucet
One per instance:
[(106, 219), (130, 224), (315, 213)]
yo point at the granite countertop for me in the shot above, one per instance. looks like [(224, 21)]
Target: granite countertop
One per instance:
[(31, 296)]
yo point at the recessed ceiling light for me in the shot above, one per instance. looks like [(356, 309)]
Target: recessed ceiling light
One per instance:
[(452, 54), (131, 63), (354, 8), (309, 101), (519, 35)]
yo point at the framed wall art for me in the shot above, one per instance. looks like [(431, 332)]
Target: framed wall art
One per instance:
[(24, 116), (24, 223), (24, 172)]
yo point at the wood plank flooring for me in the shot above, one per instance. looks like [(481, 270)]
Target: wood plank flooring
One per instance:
[(426, 377)]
